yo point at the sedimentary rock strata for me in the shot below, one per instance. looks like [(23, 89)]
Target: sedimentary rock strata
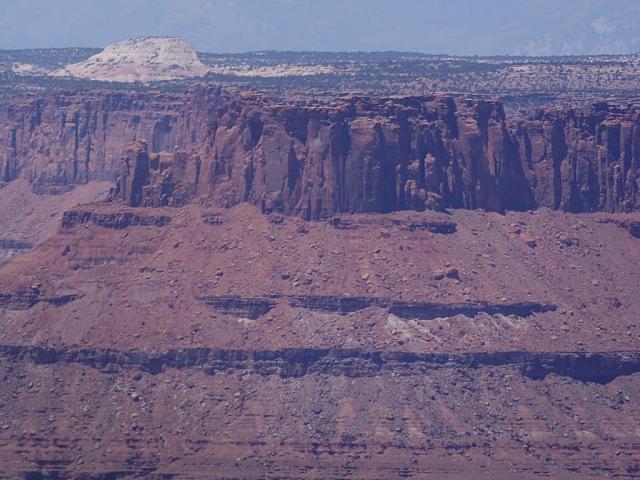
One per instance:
[(256, 307), (191, 324), (164, 342), (594, 367), (355, 154), (115, 220)]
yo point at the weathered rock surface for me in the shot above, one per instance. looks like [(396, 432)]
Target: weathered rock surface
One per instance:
[(28, 298), (115, 220), (583, 160), (633, 227), (256, 307), (593, 367), (354, 154), (156, 180), (316, 414), (232, 344), (144, 341), (140, 60)]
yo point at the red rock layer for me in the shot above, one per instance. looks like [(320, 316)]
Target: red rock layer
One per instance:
[(356, 154), (583, 160)]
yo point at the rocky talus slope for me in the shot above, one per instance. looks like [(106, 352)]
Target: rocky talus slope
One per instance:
[(156, 342), (197, 325)]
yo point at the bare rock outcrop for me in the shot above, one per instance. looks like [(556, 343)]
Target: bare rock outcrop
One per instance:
[(583, 160), (139, 60), (157, 179), (353, 154)]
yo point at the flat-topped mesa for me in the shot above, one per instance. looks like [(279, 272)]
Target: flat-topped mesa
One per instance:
[(357, 154), (353, 154)]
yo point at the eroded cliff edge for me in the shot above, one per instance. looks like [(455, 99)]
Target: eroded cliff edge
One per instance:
[(354, 154)]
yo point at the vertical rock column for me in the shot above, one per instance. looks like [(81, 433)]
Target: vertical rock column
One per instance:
[(134, 174)]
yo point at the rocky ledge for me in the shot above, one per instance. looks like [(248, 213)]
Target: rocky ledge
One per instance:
[(594, 367), (113, 220), (256, 307)]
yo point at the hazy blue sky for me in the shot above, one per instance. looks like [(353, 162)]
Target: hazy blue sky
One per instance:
[(433, 26)]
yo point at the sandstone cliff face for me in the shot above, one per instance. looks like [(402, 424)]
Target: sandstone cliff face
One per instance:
[(364, 155), (155, 180), (356, 154), (583, 160), (70, 138)]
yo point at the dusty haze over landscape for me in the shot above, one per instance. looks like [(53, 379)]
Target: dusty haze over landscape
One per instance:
[(462, 27), (248, 239)]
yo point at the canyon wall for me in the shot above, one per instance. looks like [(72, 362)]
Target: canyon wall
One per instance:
[(583, 160), (355, 154)]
